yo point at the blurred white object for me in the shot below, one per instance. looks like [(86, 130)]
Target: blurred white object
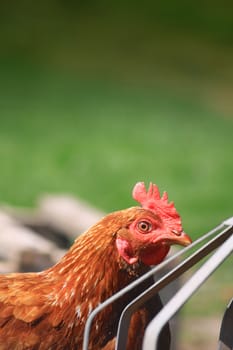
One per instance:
[(16, 240), (68, 214)]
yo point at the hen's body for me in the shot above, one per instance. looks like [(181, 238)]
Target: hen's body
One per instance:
[(48, 310)]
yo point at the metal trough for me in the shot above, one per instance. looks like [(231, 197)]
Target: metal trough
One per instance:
[(219, 242)]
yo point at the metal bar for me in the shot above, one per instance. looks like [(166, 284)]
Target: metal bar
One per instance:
[(165, 280), (141, 280), (156, 325), (226, 335)]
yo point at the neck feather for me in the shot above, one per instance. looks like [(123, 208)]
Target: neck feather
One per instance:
[(92, 268)]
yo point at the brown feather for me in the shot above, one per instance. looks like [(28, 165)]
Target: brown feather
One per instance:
[(48, 310)]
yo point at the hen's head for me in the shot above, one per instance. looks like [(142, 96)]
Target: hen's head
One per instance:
[(151, 229)]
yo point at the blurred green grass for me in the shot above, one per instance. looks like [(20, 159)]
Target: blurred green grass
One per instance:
[(95, 139), (214, 295)]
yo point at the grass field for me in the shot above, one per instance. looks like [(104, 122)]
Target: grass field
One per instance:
[(95, 139)]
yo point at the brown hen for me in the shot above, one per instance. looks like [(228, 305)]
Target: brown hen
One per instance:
[(48, 310)]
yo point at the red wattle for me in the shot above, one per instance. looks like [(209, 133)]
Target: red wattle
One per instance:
[(153, 255)]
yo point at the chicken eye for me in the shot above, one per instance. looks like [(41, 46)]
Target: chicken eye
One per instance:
[(144, 226)]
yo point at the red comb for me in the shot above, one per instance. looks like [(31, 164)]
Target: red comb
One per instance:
[(152, 200)]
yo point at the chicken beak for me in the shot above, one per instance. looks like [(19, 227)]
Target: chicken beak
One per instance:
[(180, 238)]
